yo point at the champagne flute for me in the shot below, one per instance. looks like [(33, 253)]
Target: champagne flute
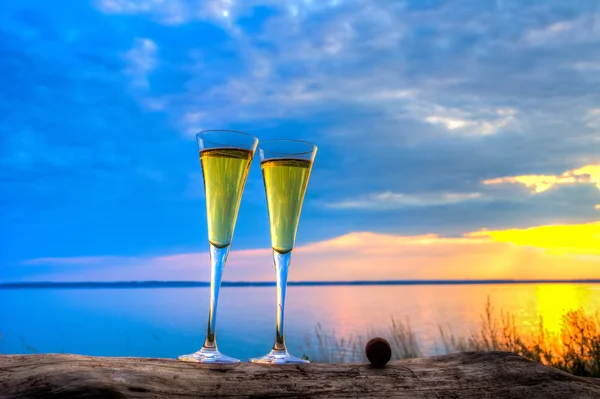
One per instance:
[(286, 167), (225, 157)]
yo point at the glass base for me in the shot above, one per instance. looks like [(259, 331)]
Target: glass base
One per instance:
[(212, 356), (278, 357)]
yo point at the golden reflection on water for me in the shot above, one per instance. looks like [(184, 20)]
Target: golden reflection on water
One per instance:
[(554, 300), (247, 314)]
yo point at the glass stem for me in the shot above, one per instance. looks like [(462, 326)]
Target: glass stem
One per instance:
[(218, 257), (282, 263)]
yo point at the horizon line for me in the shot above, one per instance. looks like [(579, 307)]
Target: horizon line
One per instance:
[(192, 283)]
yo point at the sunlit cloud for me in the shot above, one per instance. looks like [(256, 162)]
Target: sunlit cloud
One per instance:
[(450, 124), (390, 200), (544, 252), (589, 174), (481, 122)]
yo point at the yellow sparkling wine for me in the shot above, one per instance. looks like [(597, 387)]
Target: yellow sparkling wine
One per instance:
[(225, 171), (285, 184)]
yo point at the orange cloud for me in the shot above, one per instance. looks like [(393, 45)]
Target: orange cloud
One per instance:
[(544, 252), (540, 183)]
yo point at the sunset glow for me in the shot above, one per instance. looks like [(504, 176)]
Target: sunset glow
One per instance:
[(542, 252), (588, 174), (581, 239)]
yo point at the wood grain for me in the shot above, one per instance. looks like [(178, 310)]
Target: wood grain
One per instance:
[(462, 375)]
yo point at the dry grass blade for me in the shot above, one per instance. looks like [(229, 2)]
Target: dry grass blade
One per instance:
[(575, 349)]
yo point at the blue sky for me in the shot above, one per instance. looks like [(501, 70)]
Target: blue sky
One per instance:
[(414, 106)]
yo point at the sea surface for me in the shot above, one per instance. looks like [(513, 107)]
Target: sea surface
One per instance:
[(166, 322)]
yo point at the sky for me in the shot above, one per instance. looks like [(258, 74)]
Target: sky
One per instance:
[(457, 139)]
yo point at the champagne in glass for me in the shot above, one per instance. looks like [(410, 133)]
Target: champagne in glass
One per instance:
[(286, 167), (225, 157)]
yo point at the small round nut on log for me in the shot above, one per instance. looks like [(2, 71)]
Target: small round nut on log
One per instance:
[(378, 351)]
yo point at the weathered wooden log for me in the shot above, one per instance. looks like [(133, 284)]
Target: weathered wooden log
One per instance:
[(462, 375)]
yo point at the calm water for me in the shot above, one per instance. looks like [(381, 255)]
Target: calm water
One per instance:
[(165, 322)]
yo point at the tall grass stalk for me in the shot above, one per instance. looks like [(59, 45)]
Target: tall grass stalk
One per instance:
[(575, 348)]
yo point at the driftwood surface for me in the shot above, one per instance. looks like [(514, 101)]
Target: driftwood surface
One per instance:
[(462, 375)]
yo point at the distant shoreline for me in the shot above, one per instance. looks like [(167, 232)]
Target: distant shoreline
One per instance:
[(194, 284)]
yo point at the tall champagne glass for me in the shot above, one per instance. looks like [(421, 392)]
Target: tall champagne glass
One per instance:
[(286, 166), (225, 157)]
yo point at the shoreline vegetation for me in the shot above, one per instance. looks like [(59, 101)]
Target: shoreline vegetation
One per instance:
[(575, 349), (192, 284)]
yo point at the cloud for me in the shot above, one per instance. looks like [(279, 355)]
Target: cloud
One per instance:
[(589, 174), (117, 6), (350, 36), (100, 105), (75, 261), (581, 29), (142, 59), (170, 12), (461, 69), (593, 116), (548, 33), (483, 122), (353, 33), (544, 252), (390, 200), (451, 124)]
